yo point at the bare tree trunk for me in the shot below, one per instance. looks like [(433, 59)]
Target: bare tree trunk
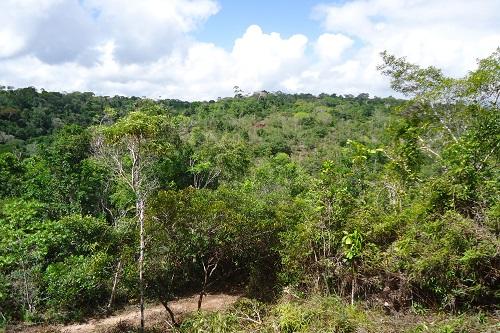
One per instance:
[(27, 295), (115, 283), (140, 210), (208, 270), (170, 312), (202, 293), (204, 285), (26, 284)]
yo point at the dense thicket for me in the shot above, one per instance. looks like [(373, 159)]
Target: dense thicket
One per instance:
[(393, 201)]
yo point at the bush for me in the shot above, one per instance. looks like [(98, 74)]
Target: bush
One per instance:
[(208, 322), (78, 285)]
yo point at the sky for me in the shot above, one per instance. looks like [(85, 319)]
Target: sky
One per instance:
[(201, 49)]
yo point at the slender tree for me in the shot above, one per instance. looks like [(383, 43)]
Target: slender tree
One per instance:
[(130, 147)]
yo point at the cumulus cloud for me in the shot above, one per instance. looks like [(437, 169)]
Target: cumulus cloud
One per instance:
[(444, 33), (260, 59), (448, 34), (146, 48), (58, 31), (332, 46), (148, 29), (199, 71)]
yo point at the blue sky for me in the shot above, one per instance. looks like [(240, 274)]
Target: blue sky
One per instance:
[(200, 49), (288, 17)]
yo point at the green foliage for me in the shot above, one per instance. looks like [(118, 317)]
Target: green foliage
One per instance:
[(371, 198), (195, 232), (209, 322), (137, 124), (54, 265), (292, 318), (409, 78), (11, 171), (352, 244), (75, 286), (316, 314), (329, 314)]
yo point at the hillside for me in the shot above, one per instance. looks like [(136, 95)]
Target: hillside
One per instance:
[(350, 205)]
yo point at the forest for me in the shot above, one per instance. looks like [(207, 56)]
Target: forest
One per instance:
[(328, 213)]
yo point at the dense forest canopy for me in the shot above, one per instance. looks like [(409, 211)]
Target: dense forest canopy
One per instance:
[(392, 201)]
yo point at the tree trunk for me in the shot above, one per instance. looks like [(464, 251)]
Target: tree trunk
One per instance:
[(115, 283), (204, 285), (140, 210), (26, 285), (200, 298), (170, 312), (208, 270), (27, 294)]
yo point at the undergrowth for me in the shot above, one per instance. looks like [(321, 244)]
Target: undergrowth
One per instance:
[(331, 314)]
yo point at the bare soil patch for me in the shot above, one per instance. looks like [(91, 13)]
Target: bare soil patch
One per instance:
[(154, 314)]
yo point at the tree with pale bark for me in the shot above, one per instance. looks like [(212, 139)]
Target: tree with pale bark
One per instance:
[(130, 147)]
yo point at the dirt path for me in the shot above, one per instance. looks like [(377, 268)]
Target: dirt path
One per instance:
[(153, 314)]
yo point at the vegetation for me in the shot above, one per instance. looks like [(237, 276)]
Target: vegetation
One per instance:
[(329, 314), (309, 202)]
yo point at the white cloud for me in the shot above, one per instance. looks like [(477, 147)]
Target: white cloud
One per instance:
[(199, 71), (258, 59), (53, 30), (331, 46), (146, 47), (57, 31), (148, 29), (450, 34), (10, 44)]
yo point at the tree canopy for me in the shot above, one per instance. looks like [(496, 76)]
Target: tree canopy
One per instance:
[(106, 200)]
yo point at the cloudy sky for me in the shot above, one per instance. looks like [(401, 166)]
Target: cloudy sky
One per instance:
[(200, 49)]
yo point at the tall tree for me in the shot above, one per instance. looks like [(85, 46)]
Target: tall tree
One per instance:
[(130, 147)]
